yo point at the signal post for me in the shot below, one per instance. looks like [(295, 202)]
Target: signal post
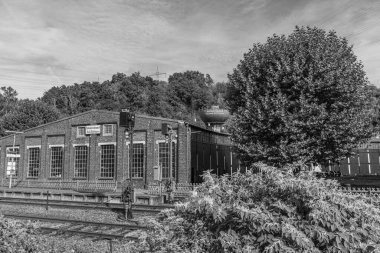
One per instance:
[(167, 130), (127, 120)]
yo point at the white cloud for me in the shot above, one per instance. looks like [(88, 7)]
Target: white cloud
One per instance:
[(47, 42)]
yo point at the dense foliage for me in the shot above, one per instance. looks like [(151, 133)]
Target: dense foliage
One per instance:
[(25, 237), (180, 98), (27, 114), (17, 237), (299, 98), (268, 211)]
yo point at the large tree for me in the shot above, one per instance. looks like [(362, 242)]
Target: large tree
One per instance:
[(299, 98), (8, 99), (27, 114), (190, 89)]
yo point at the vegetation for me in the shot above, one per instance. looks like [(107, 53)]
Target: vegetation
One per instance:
[(268, 211), (299, 98), (180, 98), (24, 237), (265, 210), (27, 114)]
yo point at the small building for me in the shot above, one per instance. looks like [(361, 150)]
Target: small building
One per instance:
[(92, 146)]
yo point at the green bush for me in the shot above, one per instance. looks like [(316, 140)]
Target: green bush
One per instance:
[(18, 237), (269, 211), (23, 237)]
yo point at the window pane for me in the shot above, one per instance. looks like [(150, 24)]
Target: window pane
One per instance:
[(107, 129), (138, 160), (56, 166), (13, 161), (80, 164), (163, 159), (107, 161), (33, 162), (81, 131)]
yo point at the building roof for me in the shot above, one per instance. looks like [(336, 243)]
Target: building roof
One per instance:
[(109, 112), (208, 130)]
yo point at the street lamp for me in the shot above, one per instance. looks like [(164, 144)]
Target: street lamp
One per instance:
[(13, 164)]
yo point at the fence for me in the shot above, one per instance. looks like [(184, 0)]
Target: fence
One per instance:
[(90, 186), (179, 189), (362, 191)]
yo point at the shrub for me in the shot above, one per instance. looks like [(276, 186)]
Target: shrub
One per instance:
[(18, 237), (269, 211)]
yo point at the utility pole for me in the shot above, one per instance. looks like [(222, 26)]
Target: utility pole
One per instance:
[(157, 75)]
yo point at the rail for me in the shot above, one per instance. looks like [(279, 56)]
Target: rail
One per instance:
[(84, 228)]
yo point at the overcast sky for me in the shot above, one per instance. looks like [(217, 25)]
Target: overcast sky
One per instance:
[(45, 43)]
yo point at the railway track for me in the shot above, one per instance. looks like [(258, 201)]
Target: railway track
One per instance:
[(98, 230), (82, 205)]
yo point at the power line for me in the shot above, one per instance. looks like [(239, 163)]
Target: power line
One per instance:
[(157, 74)]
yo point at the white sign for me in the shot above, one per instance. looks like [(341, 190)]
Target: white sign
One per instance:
[(13, 155), (94, 129), (11, 168)]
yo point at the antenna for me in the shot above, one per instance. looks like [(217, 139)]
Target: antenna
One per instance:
[(157, 74)]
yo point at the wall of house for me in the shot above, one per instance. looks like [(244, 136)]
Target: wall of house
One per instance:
[(211, 151), (63, 133)]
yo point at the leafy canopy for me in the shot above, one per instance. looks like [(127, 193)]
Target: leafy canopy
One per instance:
[(28, 114), (299, 98), (269, 211)]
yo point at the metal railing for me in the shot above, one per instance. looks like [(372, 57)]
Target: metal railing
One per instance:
[(179, 189), (97, 185), (362, 191)]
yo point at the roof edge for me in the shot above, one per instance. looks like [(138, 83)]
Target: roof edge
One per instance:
[(91, 111)]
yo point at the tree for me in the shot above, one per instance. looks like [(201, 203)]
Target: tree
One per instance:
[(157, 104), (64, 98), (219, 92), (269, 211), (8, 99), (190, 89), (375, 106), (300, 98), (28, 114), (133, 92)]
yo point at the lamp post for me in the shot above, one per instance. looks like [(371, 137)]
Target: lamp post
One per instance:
[(13, 164)]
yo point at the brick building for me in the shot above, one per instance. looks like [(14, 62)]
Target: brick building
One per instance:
[(66, 150)]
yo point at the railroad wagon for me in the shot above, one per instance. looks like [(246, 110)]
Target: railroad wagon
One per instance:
[(362, 168)]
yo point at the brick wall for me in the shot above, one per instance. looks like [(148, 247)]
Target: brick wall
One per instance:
[(64, 133)]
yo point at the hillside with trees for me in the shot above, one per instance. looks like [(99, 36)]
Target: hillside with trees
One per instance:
[(180, 98)]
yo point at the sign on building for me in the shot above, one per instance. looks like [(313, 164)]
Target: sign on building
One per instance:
[(11, 168), (13, 155), (93, 129)]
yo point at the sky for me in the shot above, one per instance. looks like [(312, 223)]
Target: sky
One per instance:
[(46, 43)]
